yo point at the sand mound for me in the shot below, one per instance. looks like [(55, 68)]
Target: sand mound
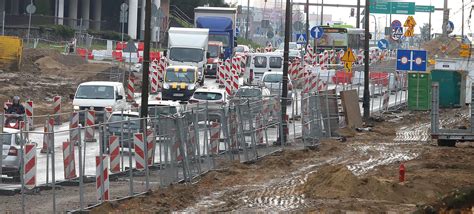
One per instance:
[(339, 182), (48, 63)]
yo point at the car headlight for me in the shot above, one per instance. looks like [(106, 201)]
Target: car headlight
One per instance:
[(77, 108), (166, 86), (191, 86)]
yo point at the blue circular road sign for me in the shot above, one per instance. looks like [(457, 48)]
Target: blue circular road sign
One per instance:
[(317, 32)]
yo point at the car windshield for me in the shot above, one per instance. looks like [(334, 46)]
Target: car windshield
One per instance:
[(260, 61), (207, 96), (5, 138), (275, 62), (162, 110), (95, 92), (213, 51), (249, 92), (179, 76), (239, 49), (220, 38), (186, 54), (273, 78), (134, 123)]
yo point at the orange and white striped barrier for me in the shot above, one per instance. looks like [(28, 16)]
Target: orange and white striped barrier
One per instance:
[(48, 136), (114, 154), (150, 139), (139, 146), (29, 166), (57, 110), (215, 137), (102, 182), (29, 114), (90, 122), (74, 131), (130, 90), (69, 160), (107, 113)]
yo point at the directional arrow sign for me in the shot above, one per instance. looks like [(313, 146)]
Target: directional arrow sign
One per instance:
[(348, 56), (317, 32), (383, 44)]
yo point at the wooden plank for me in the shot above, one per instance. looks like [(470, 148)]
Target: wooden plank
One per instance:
[(350, 105)]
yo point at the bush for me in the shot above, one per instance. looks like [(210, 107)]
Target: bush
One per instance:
[(110, 35), (63, 31)]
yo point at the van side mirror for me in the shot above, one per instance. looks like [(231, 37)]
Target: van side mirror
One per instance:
[(208, 55), (119, 97), (165, 53), (71, 96)]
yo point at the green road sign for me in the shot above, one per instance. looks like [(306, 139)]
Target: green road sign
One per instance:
[(404, 8), (424, 9)]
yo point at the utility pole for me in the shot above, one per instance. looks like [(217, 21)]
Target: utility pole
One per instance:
[(284, 91), (306, 10), (366, 102), (322, 12), (358, 14), (248, 20), (462, 31), (146, 63), (445, 18), (429, 23)]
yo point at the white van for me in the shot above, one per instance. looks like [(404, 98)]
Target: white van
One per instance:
[(259, 63), (98, 95)]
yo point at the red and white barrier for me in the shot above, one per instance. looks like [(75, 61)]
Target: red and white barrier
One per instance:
[(57, 110), (150, 139), (235, 83), (215, 137), (102, 181), (29, 166), (130, 90), (29, 114), (74, 131), (48, 136), (228, 86), (154, 82), (90, 122), (108, 112), (139, 146), (69, 160), (114, 154)]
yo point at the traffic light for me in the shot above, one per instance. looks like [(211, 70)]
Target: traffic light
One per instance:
[(352, 12), (465, 50)]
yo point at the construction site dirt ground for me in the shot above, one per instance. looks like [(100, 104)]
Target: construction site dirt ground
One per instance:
[(46, 73), (359, 173)]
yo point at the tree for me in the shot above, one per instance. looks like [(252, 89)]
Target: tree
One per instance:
[(187, 6), (425, 32)]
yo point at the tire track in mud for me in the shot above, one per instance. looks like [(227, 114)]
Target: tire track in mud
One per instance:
[(287, 193), (421, 132)]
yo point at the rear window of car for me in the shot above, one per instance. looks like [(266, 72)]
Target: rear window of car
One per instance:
[(122, 118), (165, 110), (207, 96), (249, 92), (5, 138), (260, 61), (275, 62), (273, 78)]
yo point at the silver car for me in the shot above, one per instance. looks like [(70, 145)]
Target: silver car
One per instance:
[(273, 81), (10, 139)]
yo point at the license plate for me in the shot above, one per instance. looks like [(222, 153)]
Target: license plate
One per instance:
[(178, 94)]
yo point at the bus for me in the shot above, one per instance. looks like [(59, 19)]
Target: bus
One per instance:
[(340, 38)]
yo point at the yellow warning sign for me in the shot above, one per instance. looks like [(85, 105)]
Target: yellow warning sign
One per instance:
[(410, 23), (348, 56), (348, 67)]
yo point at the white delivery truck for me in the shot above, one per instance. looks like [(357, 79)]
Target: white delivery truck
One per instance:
[(188, 46)]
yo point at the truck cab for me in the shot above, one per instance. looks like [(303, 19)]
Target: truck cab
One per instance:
[(221, 23), (179, 82), (216, 54), (188, 47)]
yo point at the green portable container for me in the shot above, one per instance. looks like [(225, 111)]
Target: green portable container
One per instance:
[(449, 87), (419, 91)]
